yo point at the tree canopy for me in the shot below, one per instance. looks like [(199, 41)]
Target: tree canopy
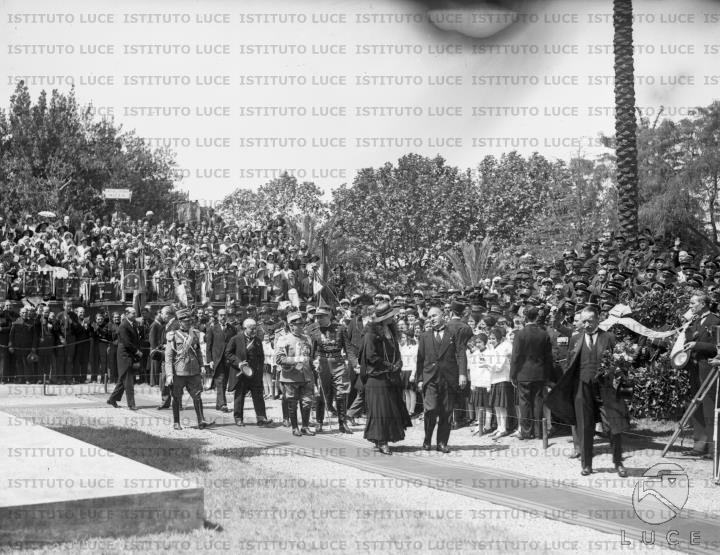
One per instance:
[(54, 155)]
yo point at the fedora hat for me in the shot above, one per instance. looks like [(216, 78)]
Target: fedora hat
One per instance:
[(383, 311)]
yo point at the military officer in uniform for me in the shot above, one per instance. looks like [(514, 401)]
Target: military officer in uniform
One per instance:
[(183, 364), (328, 346), (292, 355)]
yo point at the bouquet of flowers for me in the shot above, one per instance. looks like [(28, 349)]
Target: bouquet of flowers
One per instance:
[(616, 366)]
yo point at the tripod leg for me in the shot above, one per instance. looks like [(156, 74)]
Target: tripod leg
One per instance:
[(709, 382), (716, 447)]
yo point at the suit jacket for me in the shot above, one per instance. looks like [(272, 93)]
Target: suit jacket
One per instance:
[(236, 352), (561, 400), (462, 334), (23, 335), (701, 331), (128, 346), (355, 331), (215, 342), (157, 334), (531, 359), (446, 361), (69, 325)]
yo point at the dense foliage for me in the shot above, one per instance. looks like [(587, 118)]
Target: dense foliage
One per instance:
[(54, 156)]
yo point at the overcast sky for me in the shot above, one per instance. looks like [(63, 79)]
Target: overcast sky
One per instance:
[(322, 87)]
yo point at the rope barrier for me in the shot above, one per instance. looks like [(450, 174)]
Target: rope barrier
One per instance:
[(47, 348)]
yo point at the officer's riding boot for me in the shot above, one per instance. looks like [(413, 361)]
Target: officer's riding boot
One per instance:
[(292, 408), (305, 413), (176, 414), (341, 407), (202, 423)]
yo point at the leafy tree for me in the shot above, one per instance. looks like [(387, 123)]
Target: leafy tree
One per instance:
[(580, 201), (680, 177), (53, 155), (400, 218), (283, 195)]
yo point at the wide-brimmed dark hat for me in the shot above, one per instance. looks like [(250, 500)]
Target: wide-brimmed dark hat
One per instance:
[(383, 311)]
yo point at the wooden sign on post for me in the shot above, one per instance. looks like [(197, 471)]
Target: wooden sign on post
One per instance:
[(117, 194)]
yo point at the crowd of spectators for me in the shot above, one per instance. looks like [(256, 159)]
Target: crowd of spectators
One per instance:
[(213, 260)]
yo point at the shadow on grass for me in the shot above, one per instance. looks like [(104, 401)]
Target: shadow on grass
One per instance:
[(170, 455)]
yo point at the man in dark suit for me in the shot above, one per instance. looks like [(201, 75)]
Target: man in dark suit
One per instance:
[(575, 397), (69, 326), (158, 340), (23, 342), (701, 345), (459, 329), (99, 347), (442, 365), (7, 317), (531, 366), (83, 337), (245, 350), (128, 352), (217, 337)]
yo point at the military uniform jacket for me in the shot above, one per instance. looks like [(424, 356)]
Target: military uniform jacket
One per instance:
[(328, 342), (287, 348), (182, 353)]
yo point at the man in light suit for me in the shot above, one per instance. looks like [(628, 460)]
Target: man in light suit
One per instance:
[(217, 337), (531, 366), (575, 397), (442, 365), (128, 353)]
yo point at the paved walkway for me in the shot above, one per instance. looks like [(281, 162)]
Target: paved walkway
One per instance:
[(554, 499)]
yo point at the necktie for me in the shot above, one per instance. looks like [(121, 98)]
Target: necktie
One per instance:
[(592, 339)]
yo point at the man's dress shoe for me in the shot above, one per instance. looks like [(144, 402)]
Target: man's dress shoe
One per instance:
[(586, 471)]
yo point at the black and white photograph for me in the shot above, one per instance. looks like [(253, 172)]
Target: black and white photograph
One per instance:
[(323, 276)]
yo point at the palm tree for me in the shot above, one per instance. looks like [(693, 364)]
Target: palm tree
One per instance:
[(625, 122), (473, 263)]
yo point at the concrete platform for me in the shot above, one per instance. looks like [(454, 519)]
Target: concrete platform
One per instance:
[(57, 488)]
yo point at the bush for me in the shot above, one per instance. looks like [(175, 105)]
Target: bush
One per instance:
[(661, 392)]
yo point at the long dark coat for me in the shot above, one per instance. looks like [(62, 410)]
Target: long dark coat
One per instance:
[(236, 352), (561, 400), (128, 346)]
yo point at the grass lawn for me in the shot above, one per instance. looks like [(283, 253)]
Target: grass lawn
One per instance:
[(255, 502)]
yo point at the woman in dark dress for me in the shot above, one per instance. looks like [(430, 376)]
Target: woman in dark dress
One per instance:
[(380, 370)]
